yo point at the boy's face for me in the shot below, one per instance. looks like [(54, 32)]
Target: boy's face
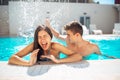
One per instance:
[(70, 36)]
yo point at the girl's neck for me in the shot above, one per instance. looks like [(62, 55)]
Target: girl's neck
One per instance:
[(47, 52)]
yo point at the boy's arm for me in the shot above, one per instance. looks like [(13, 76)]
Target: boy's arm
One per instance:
[(97, 50), (55, 33), (72, 56)]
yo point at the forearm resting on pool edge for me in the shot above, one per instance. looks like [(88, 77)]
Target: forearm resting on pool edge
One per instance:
[(71, 58), (16, 60)]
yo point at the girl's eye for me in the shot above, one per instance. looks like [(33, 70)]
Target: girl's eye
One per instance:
[(45, 36), (39, 37)]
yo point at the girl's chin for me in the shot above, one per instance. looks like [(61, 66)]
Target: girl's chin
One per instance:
[(45, 48)]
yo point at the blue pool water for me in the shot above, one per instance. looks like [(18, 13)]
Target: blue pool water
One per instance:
[(10, 45)]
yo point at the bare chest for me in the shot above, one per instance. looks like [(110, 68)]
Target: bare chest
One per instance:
[(85, 50)]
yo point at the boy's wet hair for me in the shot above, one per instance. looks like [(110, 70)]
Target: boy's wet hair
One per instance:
[(75, 27)]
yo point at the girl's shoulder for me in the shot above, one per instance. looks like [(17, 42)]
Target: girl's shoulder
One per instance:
[(55, 44)]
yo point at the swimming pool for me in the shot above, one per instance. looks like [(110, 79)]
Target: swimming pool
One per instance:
[(108, 46)]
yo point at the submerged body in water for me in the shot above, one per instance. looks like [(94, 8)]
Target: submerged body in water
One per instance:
[(108, 46)]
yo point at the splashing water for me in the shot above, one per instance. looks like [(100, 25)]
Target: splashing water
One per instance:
[(35, 13), (57, 17)]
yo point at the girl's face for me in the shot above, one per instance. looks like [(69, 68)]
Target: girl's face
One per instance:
[(44, 40)]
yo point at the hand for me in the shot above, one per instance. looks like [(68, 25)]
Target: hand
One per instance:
[(33, 57), (47, 22), (50, 57)]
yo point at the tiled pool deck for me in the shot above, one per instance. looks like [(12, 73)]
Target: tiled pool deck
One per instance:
[(83, 70)]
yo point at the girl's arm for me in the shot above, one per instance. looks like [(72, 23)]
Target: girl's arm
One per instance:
[(17, 58)]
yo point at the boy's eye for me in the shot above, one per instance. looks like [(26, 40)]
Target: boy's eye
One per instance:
[(45, 36), (68, 35)]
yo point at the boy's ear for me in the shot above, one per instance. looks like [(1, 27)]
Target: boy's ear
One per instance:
[(77, 34)]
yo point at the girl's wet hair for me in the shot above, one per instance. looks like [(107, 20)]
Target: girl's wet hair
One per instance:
[(36, 44)]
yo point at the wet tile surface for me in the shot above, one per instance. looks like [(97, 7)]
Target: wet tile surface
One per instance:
[(87, 70)]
